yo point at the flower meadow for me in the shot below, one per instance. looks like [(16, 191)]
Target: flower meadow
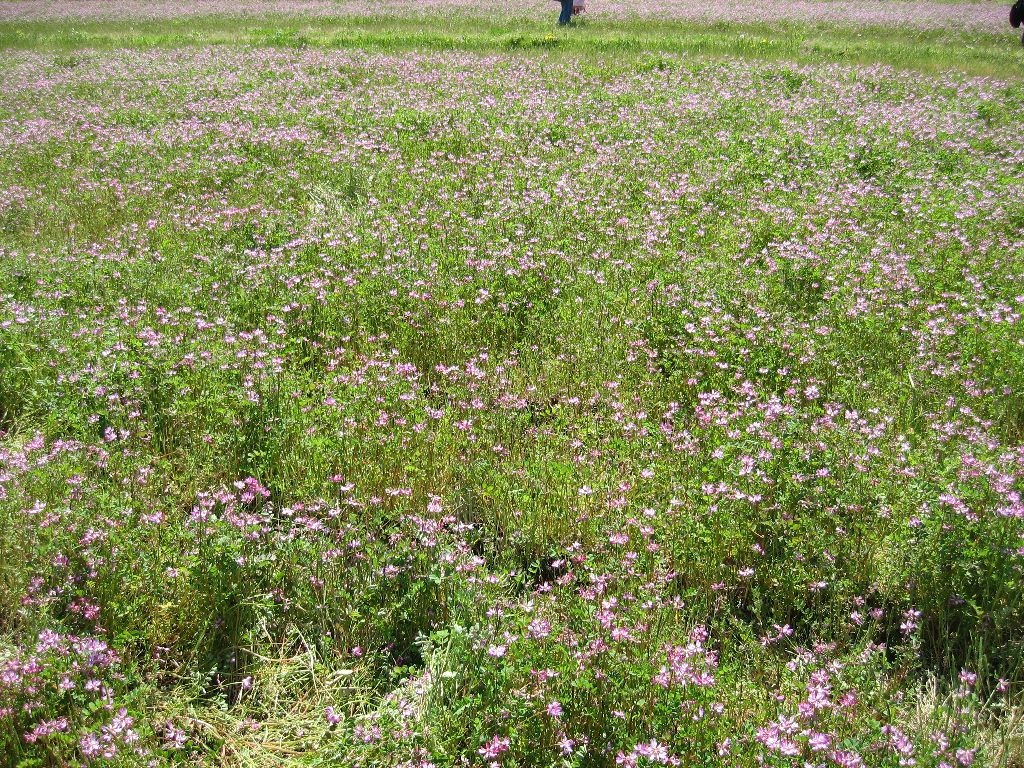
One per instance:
[(974, 15), (514, 409)]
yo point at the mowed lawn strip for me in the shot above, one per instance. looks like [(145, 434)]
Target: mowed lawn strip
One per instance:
[(976, 53)]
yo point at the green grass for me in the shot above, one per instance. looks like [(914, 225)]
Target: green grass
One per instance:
[(930, 51)]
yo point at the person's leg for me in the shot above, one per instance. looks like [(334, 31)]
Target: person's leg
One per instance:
[(566, 15)]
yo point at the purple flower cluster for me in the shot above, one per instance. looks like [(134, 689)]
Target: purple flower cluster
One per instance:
[(64, 684)]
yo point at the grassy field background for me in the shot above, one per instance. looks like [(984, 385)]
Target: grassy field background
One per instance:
[(422, 387), (929, 48)]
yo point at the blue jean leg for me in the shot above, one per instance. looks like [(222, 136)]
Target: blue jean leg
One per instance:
[(566, 16)]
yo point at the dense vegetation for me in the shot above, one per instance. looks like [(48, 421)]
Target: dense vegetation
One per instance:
[(503, 407)]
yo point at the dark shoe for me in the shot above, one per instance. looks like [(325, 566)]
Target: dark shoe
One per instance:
[(1016, 13)]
